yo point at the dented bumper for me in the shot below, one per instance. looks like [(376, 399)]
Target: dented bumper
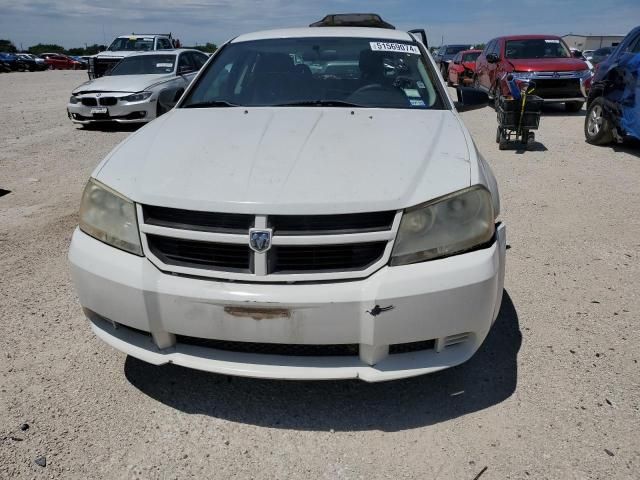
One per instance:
[(404, 321)]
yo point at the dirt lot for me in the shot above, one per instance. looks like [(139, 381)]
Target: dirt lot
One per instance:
[(553, 393)]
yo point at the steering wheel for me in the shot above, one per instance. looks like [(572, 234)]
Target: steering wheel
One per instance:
[(370, 88)]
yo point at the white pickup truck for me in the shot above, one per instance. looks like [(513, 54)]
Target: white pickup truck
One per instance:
[(292, 222), (125, 45)]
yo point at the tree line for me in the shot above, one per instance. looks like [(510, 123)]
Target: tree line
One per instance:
[(9, 47)]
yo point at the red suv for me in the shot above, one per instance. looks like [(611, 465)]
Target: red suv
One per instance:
[(545, 59)]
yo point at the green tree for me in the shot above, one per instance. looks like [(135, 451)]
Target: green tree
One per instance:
[(479, 46), (45, 48), (7, 46), (76, 51)]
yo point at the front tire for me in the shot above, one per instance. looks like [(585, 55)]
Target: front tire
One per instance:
[(573, 107), (597, 127), (160, 109)]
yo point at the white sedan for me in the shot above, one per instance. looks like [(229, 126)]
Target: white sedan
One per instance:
[(138, 89), (281, 223)]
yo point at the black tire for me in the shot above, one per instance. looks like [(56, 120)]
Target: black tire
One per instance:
[(573, 107), (160, 109), (597, 127)]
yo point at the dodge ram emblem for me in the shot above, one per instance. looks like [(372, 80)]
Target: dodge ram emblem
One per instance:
[(260, 240)]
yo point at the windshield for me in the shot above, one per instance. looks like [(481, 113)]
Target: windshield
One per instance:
[(145, 65), (327, 71), (470, 57), (455, 49), (132, 44), (536, 48)]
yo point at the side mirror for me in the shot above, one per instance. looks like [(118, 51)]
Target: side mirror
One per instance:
[(457, 62), (471, 98), (493, 58)]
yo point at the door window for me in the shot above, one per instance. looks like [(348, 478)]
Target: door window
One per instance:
[(185, 64), (164, 44), (634, 46)]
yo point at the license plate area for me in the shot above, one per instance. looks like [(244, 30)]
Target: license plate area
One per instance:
[(100, 112)]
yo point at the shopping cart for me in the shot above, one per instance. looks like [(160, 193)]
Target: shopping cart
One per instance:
[(517, 118)]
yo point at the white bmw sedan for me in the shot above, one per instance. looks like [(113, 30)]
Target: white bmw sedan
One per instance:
[(313, 208), (138, 89)]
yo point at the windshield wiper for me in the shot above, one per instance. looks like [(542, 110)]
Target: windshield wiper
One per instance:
[(321, 103), (211, 104)]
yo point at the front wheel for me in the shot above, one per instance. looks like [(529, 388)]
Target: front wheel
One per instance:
[(573, 106), (597, 127), (160, 109)]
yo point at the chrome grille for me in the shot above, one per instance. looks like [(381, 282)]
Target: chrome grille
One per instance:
[(303, 248)]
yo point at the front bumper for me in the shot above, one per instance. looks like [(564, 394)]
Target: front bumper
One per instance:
[(146, 313), (121, 112)]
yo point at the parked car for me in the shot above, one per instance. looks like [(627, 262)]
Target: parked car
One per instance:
[(462, 70), (58, 61), (444, 55), (126, 45), (600, 55), (545, 59), (613, 108), (284, 224), (31, 62), (138, 89), (83, 64), (11, 62)]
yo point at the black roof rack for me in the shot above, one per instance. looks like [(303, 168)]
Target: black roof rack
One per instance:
[(353, 20)]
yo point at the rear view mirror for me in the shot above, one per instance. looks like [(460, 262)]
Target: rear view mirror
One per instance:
[(471, 98)]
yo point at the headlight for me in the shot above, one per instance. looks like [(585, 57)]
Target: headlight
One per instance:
[(74, 100), (109, 217), (136, 97), (448, 225)]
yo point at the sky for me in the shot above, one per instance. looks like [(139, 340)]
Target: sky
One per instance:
[(72, 23)]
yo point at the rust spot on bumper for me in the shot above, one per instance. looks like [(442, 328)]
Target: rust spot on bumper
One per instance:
[(258, 313)]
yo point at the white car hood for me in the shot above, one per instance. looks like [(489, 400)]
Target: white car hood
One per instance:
[(291, 160), (122, 83)]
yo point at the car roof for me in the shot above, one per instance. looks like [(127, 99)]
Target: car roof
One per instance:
[(529, 37), (173, 51), (314, 32), (143, 35)]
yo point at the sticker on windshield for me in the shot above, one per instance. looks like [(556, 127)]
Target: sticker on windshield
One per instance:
[(394, 47), (420, 84), (552, 41), (417, 103), (411, 92), (164, 65)]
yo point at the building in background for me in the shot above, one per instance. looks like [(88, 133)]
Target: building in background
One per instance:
[(592, 42)]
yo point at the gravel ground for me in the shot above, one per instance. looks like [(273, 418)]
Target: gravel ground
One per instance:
[(553, 393)]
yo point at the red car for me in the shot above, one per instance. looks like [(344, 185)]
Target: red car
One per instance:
[(544, 59), (60, 61), (462, 68)]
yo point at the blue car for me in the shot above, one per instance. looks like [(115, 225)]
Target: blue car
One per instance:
[(9, 63), (613, 106)]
